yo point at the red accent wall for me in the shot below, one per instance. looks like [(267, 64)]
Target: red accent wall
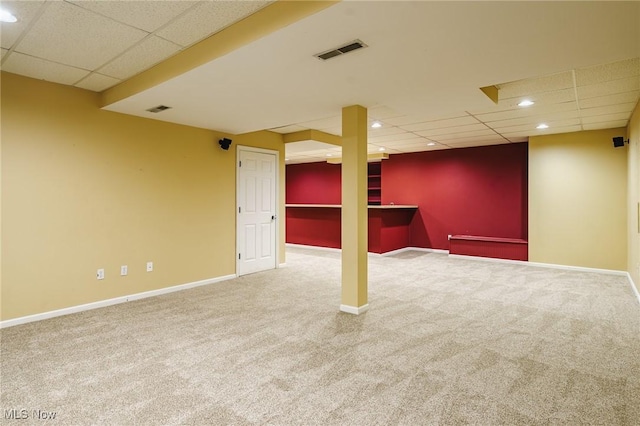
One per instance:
[(314, 183), (472, 191), (479, 191), (319, 227)]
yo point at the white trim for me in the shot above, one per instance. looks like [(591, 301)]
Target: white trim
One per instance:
[(109, 302), (633, 287), (354, 310), (303, 246), (577, 268), (426, 250), (540, 265), (495, 260), (389, 253)]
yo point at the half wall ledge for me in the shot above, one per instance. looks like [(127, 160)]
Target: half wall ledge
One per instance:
[(494, 247)]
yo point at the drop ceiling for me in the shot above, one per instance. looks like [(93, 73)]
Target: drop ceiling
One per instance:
[(420, 75)]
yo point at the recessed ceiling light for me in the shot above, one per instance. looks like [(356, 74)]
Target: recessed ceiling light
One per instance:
[(376, 125), (6, 16), (286, 159), (329, 155), (526, 103), (381, 149), (542, 126), (431, 144)]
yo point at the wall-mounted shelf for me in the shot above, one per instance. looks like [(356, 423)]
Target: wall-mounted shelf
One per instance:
[(374, 183)]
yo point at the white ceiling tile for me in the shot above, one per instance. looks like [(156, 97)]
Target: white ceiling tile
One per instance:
[(25, 11), (407, 120), (527, 87), (500, 141), (608, 72), (436, 132), (534, 119), (540, 99), (407, 142), (439, 124), (95, 39), (531, 127), (465, 139), (606, 117), (145, 15), (334, 130), (608, 109), (549, 131), (489, 139), (421, 148), (375, 148), (325, 123), (399, 146), (386, 148), (144, 55), (534, 110), (307, 159), (605, 125), (520, 134), (450, 136), (306, 147), (385, 131), (207, 18), (29, 66), (554, 97), (391, 138), (292, 128), (618, 98), (403, 120), (382, 112), (97, 82), (609, 87)]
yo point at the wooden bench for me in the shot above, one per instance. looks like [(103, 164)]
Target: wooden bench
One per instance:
[(494, 247)]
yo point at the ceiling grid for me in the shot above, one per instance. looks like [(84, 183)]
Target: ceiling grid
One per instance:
[(419, 80)]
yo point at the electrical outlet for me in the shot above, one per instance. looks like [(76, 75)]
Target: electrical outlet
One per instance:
[(124, 270), (149, 266), (100, 274)]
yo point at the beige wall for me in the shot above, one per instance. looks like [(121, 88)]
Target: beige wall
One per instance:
[(84, 189), (633, 197), (578, 200)]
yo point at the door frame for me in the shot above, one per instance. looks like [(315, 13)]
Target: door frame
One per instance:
[(239, 149)]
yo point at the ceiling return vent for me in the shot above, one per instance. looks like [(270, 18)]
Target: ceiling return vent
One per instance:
[(349, 47), (159, 108)]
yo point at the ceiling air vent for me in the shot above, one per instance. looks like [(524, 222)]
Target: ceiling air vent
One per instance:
[(159, 108), (349, 47)]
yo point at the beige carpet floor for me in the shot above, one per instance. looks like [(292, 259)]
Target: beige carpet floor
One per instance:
[(446, 341)]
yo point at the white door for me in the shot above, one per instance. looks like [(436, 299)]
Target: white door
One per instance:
[(257, 192)]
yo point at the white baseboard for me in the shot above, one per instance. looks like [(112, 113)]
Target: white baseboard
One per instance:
[(329, 249), (282, 265), (490, 259), (633, 287), (389, 253), (109, 302), (353, 309), (577, 268), (541, 265), (426, 250)]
